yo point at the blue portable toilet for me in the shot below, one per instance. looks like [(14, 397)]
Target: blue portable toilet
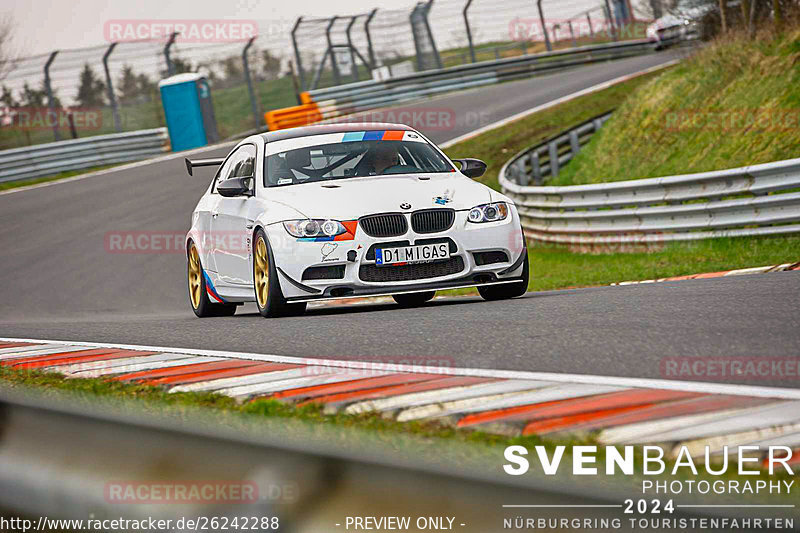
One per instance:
[(189, 112)]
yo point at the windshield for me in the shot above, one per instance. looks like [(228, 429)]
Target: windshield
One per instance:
[(353, 159)]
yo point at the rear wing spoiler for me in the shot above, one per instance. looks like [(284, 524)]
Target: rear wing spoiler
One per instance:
[(211, 162)]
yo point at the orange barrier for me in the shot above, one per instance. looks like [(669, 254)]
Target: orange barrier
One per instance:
[(292, 117)]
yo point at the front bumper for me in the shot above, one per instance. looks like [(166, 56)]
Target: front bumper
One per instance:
[(467, 241)]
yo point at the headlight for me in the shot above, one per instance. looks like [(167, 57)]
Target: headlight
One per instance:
[(314, 228), (488, 212)]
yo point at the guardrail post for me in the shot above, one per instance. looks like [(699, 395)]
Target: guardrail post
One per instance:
[(249, 80), (536, 168), (469, 31), (335, 65), (553, 159), (370, 50), (523, 178), (350, 45), (112, 98), (544, 26), (167, 47), (574, 143), (297, 60), (51, 103)]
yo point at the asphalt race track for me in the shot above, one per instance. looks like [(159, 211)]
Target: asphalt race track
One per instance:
[(59, 282)]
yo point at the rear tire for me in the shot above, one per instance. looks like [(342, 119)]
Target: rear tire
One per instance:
[(508, 290), (413, 299), (269, 297), (201, 304)]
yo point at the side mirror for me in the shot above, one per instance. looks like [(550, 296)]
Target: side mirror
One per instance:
[(236, 187), (471, 168)]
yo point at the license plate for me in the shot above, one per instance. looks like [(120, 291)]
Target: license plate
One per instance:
[(423, 253)]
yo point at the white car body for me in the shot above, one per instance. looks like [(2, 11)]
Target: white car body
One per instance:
[(224, 227)]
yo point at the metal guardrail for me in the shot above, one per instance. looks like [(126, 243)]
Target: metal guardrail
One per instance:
[(734, 202), (547, 158), (64, 457), (77, 154), (342, 100)]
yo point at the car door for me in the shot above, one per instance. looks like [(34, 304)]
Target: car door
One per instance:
[(229, 223)]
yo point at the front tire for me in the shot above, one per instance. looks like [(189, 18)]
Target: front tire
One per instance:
[(198, 291), (508, 290), (269, 297), (413, 299)]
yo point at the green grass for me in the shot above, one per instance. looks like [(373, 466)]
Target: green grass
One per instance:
[(497, 146), (732, 104), (556, 267)]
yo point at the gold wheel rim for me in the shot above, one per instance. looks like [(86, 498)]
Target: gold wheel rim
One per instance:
[(261, 273), (195, 277)]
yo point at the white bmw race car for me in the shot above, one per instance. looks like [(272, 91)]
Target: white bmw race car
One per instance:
[(347, 210)]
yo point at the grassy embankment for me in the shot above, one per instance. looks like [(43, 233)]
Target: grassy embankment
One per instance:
[(650, 135)]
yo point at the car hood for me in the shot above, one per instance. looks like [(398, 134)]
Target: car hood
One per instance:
[(351, 198)]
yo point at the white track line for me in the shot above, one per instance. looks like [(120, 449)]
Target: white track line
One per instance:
[(588, 379), (552, 103)]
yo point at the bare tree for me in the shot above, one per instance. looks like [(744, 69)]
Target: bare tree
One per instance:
[(8, 55)]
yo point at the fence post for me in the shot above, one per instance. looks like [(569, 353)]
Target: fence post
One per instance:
[(370, 50), (425, 12), (170, 66), (112, 98), (336, 75), (544, 26), (469, 31), (51, 103), (589, 20), (350, 46), (572, 34), (610, 21), (297, 61), (249, 80)]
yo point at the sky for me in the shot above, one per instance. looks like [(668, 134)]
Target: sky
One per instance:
[(44, 25)]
